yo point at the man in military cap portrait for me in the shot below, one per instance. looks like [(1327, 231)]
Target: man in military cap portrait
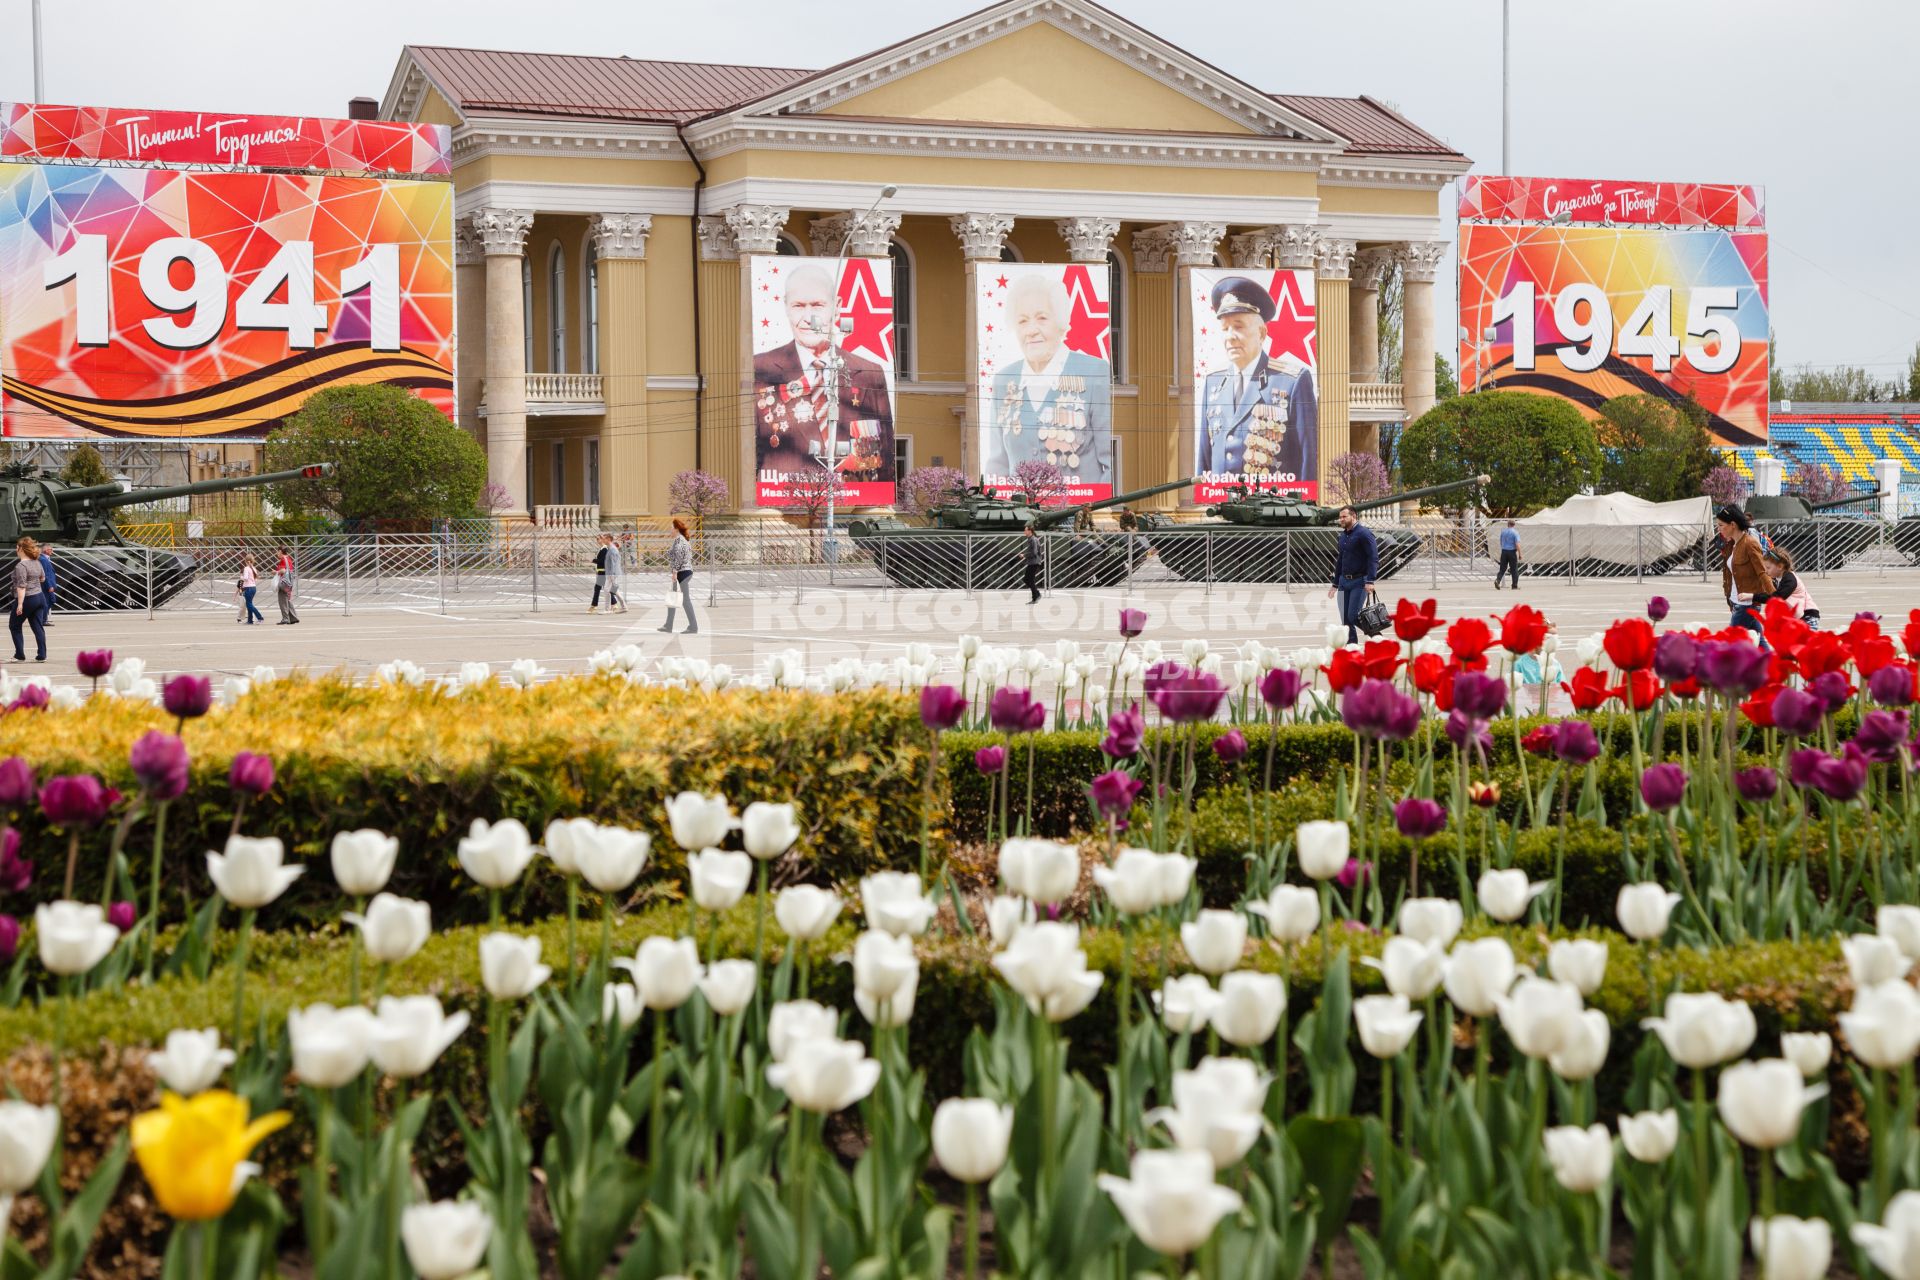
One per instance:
[(1258, 417), (1053, 404), (790, 415)]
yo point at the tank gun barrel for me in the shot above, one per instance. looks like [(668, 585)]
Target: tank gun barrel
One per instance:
[(1431, 491), (1061, 515), (106, 497), (1837, 503)]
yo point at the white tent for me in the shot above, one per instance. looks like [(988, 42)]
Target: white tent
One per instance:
[(1614, 527)]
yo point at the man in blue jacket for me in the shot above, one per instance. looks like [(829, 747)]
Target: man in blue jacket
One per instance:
[(1355, 564), (46, 598)]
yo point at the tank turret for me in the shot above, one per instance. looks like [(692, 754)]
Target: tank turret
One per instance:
[(1791, 506), (1290, 510)]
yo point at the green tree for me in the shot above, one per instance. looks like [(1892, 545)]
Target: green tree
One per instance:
[(1445, 385), (1843, 384), (85, 467), (395, 456), (1654, 449), (1539, 451), (1913, 375), (1776, 380)]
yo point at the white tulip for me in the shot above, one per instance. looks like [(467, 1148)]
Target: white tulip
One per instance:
[(1644, 909), (1539, 1015), (1505, 895), (728, 985), (562, 842), (1007, 916), (1872, 959), (1291, 912), (769, 830), (1412, 967), (330, 1046), (968, 647), (401, 672), (494, 854), (1176, 877), (1894, 1245), (1478, 973), (970, 1137), (475, 675), (1216, 1109), (1650, 1136), (1324, 848), (191, 1062), (1792, 1248), (1902, 924), (1041, 870), (26, 1142), (251, 873), (234, 688), (1249, 1007), (895, 1010), (510, 967), (1703, 1029), (824, 1075), (665, 971), (1883, 1027), (1582, 1159), (1044, 965), (1386, 1024), (699, 821), (1584, 1049), (610, 858), (1337, 635), (409, 1034), (393, 929), (1171, 1200), (525, 672), (1580, 961), (894, 901), (1435, 920), (620, 1001), (1132, 883), (1760, 1102), (720, 877), (363, 861), (1186, 1003), (882, 963), (1215, 940), (805, 912), (1810, 1051), (447, 1239), (73, 936), (795, 1020)]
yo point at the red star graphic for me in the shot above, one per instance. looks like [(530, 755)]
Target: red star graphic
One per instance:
[(989, 328), (1292, 329), (1088, 330), (1001, 283), (765, 323), (870, 310)]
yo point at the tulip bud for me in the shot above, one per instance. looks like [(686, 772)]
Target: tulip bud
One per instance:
[(1323, 848), (1580, 961), (1583, 1050), (1644, 909), (620, 1001), (882, 964), (191, 1062), (1215, 940), (824, 1075), (1412, 968), (251, 774), (805, 912), (250, 873), (728, 985), (26, 1142), (1216, 1109), (970, 1137), (410, 1034), (1760, 1102), (1792, 1248), (1872, 959), (1291, 912), (447, 1239), (1044, 964), (1249, 1007), (895, 1010), (1582, 1159), (510, 967), (720, 878), (393, 929), (363, 861), (1041, 870), (494, 854), (1809, 1051), (330, 1046), (1650, 1136), (1386, 1023), (699, 821), (1894, 1245), (1176, 877), (664, 971), (1171, 1201), (1435, 920), (1902, 924), (1186, 1003), (895, 902), (1132, 883), (609, 858), (73, 936), (1539, 1015), (1704, 1029), (1505, 895), (795, 1020), (769, 830), (1478, 974), (1883, 1027), (1006, 916)]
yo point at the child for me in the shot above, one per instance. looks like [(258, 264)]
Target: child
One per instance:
[(1787, 586), (1540, 668)]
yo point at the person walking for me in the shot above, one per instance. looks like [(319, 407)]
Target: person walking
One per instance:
[(250, 583), (1030, 557), (29, 601), (1788, 586), (1743, 570), (616, 571), (599, 576), (1356, 563), (283, 589), (680, 566), (1509, 556), (46, 567)]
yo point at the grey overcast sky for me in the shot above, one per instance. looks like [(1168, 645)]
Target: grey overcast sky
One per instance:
[(1818, 104)]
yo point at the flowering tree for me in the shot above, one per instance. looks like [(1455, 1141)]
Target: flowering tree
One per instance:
[(1358, 477), (1723, 484), (696, 493), (809, 492), (930, 487), (1042, 483), (1819, 483)]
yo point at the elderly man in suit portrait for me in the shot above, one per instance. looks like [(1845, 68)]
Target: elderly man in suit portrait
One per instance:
[(1258, 417), (1052, 404), (791, 420)]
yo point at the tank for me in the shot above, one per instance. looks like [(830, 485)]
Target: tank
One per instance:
[(101, 569), (1816, 545), (949, 552), (1281, 537)]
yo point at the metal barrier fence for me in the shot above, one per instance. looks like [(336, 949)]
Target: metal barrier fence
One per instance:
[(553, 569)]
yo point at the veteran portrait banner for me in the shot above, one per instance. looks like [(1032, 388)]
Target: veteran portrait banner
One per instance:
[(1046, 375), (1255, 367)]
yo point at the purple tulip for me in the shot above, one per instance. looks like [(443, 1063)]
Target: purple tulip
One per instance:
[(990, 759), (120, 916), (1378, 710), (159, 762), (1125, 732), (1353, 873), (1734, 668), (9, 938), (1882, 734), (1658, 608), (94, 663), (1831, 688), (1663, 786), (1575, 742), (74, 800), (32, 698), (1479, 695), (1467, 733), (1230, 746), (251, 775), (1185, 695), (1797, 713), (1114, 792), (941, 706), (1015, 710), (1280, 688), (1803, 767), (1676, 655), (1419, 818), (1892, 685), (1757, 784), (187, 697), (16, 872), (1132, 622), (1844, 778), (1159, 675), (17, 787)]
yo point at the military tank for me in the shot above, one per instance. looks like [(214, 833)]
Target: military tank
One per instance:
[(1280, 537), (950, 552), (94, 565), (1817, 546)]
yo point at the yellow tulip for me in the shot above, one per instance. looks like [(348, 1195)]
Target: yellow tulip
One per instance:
[(194, 1151)]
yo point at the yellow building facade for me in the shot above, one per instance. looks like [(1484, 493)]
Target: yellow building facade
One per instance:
[(607, 208)]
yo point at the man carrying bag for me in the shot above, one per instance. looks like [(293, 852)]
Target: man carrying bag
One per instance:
[(1355, 565)]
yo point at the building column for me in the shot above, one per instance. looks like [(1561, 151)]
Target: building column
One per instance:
[(981, 236), (620, 250), (469, 329), (1370, 267), (1088, 239), (1152, 450), (1194, 245), (502, 234), (865, 233), (1419, 264), (1333, 259), (755, 229)]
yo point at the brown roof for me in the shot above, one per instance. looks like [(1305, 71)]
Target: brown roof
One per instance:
[(1368, 125), (559, 84)]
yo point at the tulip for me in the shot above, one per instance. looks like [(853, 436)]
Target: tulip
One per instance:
[(795, 1020), (1892, 686), (9, 938), (1216, 1109), (1581, 962), (970, 1137), (187, 697), (1650, 1136), (620, 1001), (250, 873), (1215, 940), (17, 787), (1796, 713), (193, 1151), (1831, 688), (1045, 966), (1505, 895), (1006, 916), (1540, 741), (1468, 734), (495, 854), (1663, 786), (1734, 668), (94, 663), (392, 929), (1126, 730), (699, 821), (250, 774), (719, 877), (1644, 909), (824, 1075), (1703, 1029), (610, 858), (1183, 695), (805, 912), (1882, 735), (1902, 924), (1186, 1003), (330, 1046), (894, 901), (1883, 1026), (26, 1143), (1760, 1102), (665, 971), (121, 916), (16, 872), (1171, 1201), (1386, 1023), (769, 830), (1377, 710), (1575, 743), (1132, 883), (1792, 1248), (1479, 696), (363, 861), (446, 1239), (1249, 1007), (75, 801), (159, 763), (1412, 967), (1419, 818), (1176, 877), (1478, 974), (1323, 847), (1041, 870), (883, 964), (1756, 785), (941, 706), (1013, 709), (1292, 913), (73, 936), (1872, 959), (728, 985), (895, 1010), (1657, 608), (1280, 688), (1434, 920), (1230, 746), (510, 967), (1539, 1015), (1894, 1245), (410, 1034), (1583, 1051), (1582, 1159), (990, 760), (1808, 1051)]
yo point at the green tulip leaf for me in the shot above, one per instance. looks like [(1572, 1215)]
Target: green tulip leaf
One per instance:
[(1331, 1154)]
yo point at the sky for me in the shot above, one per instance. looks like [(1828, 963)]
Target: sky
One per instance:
[(1817, 104)]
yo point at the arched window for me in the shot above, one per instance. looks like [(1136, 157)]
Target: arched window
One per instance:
[(1117, 315), (1009, 254), (590, 308), (526, 309), (905, 365), (557, 309), (787, 247)]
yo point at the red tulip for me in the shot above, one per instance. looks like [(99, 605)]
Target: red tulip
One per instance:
[(1759, 707), (1629, 643), (1910, 637), (1824, 651), (1689, 689), (1523, 629), (1345, 672), (1540, 741), (1785, 632), (1382, 659), (1870, 653), (1469, 638), (1640, 690), (1412, 622), (1588, 690), (1429, 670)]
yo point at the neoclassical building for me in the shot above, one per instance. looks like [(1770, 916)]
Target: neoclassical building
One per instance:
[(606, 207)]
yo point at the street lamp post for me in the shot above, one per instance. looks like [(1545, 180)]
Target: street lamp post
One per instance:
[(835, 361)]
